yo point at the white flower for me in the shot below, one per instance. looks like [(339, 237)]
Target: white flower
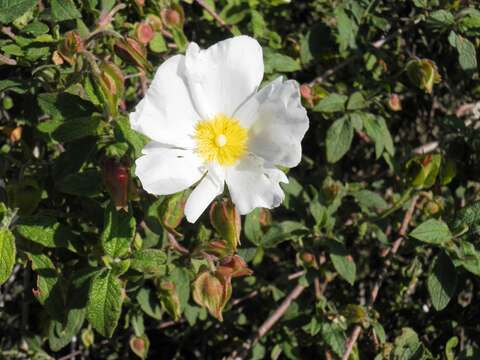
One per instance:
[(208, 124)]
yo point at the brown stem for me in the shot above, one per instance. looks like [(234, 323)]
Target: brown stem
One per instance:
[(352, 339), (242, 353), (217, 17)]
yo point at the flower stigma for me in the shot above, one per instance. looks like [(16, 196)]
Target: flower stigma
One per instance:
[(221, 139)]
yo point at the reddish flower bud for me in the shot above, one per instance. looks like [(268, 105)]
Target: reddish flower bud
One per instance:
[(212, 291), (71, 45), (218, 248), (265, 217), (306, 93), (140, 3), (140, 345), (116, 177), (144, 32), (234, 266), (225, 219), (173, 17), (308, 258), (131, 50), (394, 102)]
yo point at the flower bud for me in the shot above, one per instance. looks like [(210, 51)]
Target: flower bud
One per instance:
[(394, 102), (14, 134), (171, 211), (431, 207), (173, 17), (116, 177), (306, 93), (423, 73), (308, 259), (144, 32), (233, 266), (110, 86), (131, 50), (140, 345), (71, 45), (212, 291), (265, 217), (356, 314), (218, 248), (155, 22), (140, 3), (88, 337), (225, 219), (167, 293)]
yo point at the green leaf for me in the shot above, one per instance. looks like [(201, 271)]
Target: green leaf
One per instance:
[(60, 334), (276, 62), (356, 101), (151, 261), (7, 254), (440, 19), (87, 183), (158, 44), (342, 261), (347, 29), (467, 55), (75, 129), (64, 10), (13, 9), (252, 229), (118, 233), (442, 281), (432, 231), (331, 103), (334, 336), (104, 305), (44, 230), (149, 303), (49, 290), (469, 217), (370, 199), (339, 139)]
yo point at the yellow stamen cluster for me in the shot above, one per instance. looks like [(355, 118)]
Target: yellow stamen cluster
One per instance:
[(221, 139)]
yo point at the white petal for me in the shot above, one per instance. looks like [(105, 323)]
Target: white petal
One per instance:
[(251, 185), (208, 189), (277, 122), (223, 76), (166, 114), (164, 171)]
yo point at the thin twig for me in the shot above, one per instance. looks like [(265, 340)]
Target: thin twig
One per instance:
[(352, 339), (71, 355), (242, 353), (217, 17), (376, 44)]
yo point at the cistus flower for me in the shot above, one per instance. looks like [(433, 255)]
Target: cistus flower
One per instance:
[(209, 124)]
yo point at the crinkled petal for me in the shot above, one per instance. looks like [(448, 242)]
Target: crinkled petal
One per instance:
[(253, 185), (166, 114), (277, 122), (204, 193), (163, 170), (223, 76)]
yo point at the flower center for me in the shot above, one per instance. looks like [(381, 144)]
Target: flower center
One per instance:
[(220, 139)]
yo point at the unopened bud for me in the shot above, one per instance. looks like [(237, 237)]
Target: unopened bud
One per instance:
[(116, 177), (171, 211), (57, 58), (308, 258), (133, 51), (218, 248), (71, 45), (423, 73), (144, 32), (233, 266), (88, 337), (14, 134), (140, 3), (155, 22), (306, 92), (172, 17), (212, 291), (225, 219), (265, 217), (167, 293), (431, 207), (394, 103), (355, 314), (140, 345)]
